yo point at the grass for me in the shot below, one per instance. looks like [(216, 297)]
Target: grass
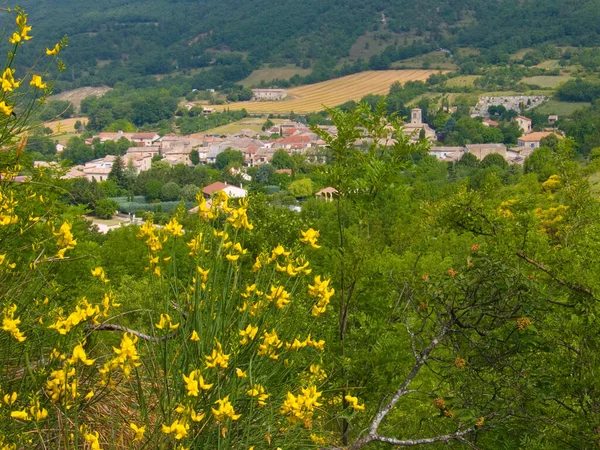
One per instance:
[(374, 43), (66, 125), (436, 60), (546, 81), (462, 81), (267, 74), (76, 95), (561, 108), (314, 97), (252, 123)]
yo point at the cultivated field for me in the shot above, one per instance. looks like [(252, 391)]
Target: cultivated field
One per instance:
[(546, 81), (314, 97), (561, 108), (272, 73), (76, 95), (66, 125)]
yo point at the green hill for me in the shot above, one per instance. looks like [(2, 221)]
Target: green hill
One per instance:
[(114, 40)]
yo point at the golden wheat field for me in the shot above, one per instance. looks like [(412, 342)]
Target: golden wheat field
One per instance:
[(314, 97)]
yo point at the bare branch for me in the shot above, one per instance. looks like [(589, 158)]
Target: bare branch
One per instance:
[(114, 327)]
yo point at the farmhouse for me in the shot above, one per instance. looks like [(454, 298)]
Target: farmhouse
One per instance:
[(524, 123), (140, 139), (447, 153), (533, 140), (268, 94), (231, 191), (482, 150)]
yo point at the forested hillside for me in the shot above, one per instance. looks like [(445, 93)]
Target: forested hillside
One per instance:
[(115, 40)]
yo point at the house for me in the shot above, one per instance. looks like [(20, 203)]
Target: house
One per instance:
[(482, 150), (416, 126), (231, 191), (140, 139), (326, 194), (552, 118), (447, 153), (268, 94), (490, 123), (59, 148), (524, 123), (533, 140)]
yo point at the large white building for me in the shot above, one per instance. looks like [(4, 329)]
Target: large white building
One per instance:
[(269, 94)]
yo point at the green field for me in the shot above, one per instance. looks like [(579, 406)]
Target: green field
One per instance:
[(560, 108), (433, 60), (547, 81), (267, 74), (462, 81)]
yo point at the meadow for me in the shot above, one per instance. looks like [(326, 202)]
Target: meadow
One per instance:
[(314, 97)]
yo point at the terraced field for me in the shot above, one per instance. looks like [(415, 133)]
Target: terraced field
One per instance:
[(314, 97)]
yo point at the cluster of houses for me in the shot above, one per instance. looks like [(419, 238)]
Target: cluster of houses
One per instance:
[(295, 138)]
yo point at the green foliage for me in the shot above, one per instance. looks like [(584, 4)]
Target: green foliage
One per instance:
[(282, 160), (105, 208), (229, 158), (301, 188)]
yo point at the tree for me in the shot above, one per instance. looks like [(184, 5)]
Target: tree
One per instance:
[(468, 160), (268, 124), (78, 126), (189, 191), (170, 192), (121, 125), (229, 158), (301, 188), (282, 160), (195, 157), (117, 171), (105, 208), (493, 159), (264, 174)]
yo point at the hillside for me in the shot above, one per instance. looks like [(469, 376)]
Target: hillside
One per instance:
[(115, 40)]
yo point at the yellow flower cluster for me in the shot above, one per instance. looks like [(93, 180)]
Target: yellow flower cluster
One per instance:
[(279, 296), (22, 34), (269, 345), (239, 216), (127, 358), (310, 236), (353, 403), (65, 239), (83, 311), (165, 323), (217, 358), (11, 325), (321, 291), (59, 386), (552, 183), (291, 270), (8, 205), (174, 228), (297, 344), (194, 382), (79, 355), (248, 334), (225, 410), (98, 272), (258, 391), (301, 407)]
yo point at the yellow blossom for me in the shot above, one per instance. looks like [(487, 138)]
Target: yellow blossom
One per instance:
[(10, 399), (36, 81), (79, 355), (353, 402), (194, 382), (178, 428), (5, 108), (54, 51), (310, 236), (165, 322), (21, 415), (279, 296), (217, 358), (241, 373), (194, 337), (259, 391), (224, 411), (98, 272), (248, 334), (139, 431), (270, 344), (174, 228)]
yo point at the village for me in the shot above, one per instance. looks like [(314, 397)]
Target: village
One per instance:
[(295, 138)]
